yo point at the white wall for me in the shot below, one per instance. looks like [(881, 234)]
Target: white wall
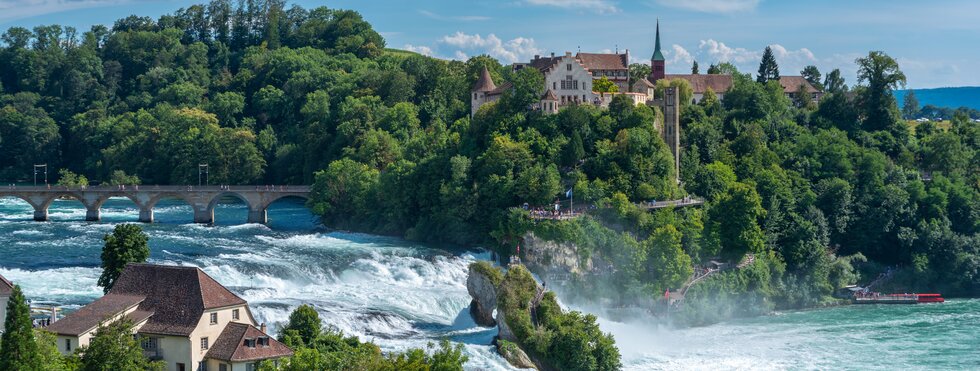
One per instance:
[(560, 72), (3, 310), (206, 329)]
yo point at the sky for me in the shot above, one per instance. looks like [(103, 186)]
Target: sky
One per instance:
[(935, 42)]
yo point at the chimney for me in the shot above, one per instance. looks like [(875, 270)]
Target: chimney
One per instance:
[(552, 54), (262, 328), (537, 56)]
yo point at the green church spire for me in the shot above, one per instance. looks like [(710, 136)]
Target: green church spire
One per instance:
[(657, 55)]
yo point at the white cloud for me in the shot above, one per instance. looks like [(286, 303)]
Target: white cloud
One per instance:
[(712, 6), (460, 18), (421, 49), (18, 9), (679, 56), (599, 6), (717, 51), (514, 50)]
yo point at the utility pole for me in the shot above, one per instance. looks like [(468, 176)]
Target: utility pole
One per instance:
[(38, 166), (202, 169)]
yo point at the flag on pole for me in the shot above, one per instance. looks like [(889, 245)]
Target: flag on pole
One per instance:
[(568, 193)]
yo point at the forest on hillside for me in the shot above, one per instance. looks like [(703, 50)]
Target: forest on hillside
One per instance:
[(266, 93)]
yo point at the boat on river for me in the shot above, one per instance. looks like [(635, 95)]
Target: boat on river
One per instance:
[(878, 298)]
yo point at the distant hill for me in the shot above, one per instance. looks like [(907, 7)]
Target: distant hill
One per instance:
[(968, 96)]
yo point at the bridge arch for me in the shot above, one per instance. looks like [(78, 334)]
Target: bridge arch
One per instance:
[(285, 214), (146, 209), (21, 197), (216, 200)]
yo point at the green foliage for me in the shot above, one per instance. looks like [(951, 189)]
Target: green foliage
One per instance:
[(768, 68), (304, 322), (18, 347), (564, 340), (113, 347), (489, 271), (329, 349), (67, 178), (127, 244), (604, 86), (119, 177)]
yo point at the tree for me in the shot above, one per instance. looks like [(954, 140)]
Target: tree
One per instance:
[(127, 244), (120, 177), (733, 222), (669, 264), (305, 323), (604, 86), (834, 83), (113, 347), (910, 108), (714, 70), (694, 68), (66, 178), (639, 71), (768, 69), (18, 349), (812, 75), (47, 351), (882, 75)]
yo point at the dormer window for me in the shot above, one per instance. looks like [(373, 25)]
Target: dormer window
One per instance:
[(263, 341), (250, 342)]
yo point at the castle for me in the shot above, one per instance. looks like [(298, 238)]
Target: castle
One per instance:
[(570, 79)]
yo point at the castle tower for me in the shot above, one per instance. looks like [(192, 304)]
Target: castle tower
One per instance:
[(671, 129), (657, 63), (479, 92)]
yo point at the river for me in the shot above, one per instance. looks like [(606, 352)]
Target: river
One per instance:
[(401, 295)]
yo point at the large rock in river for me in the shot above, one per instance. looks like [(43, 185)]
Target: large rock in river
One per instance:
[(483, 290)]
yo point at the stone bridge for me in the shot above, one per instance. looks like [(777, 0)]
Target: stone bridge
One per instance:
[(202, 199)]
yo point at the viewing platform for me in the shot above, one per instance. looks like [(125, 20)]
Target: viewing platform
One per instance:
[(202, 199)]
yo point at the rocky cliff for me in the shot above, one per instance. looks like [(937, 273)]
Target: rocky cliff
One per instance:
[(482, 288)]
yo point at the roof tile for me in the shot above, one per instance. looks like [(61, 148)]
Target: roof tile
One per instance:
[(230, 345)]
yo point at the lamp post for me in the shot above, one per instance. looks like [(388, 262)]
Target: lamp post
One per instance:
[(202, 169), (38, 166)]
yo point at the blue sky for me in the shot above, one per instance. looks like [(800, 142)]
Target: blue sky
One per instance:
[(935, 42)]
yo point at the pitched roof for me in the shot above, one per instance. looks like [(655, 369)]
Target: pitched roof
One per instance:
[(176, 295), (592, 61), (791, 84), (643, 83), (6, 287), (549, 95), (484, 82), (701, 83), (501, 89), (230, 345), (91, 316)]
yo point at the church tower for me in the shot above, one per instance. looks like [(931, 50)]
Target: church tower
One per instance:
[(657, 63)]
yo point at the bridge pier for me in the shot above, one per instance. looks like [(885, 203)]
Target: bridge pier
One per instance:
[(146, 215), (203, 216), (93, 215), (257, 216), (40, 215)]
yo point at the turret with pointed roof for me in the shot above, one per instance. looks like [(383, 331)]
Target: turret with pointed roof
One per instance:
[(485, 82)]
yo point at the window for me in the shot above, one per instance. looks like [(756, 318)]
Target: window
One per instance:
[(568, 67), (554, 85), (251, 366), (204, 343), (222, 367), (202, 366), (250, 343), (474, 95), (148, 344), (263, 341), (214, 318), (67, 345), (234, 314)]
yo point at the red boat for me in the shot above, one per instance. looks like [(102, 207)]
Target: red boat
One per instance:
[(878, 298), (930, 298)]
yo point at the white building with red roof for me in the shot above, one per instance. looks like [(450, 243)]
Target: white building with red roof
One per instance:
[(181, 316)]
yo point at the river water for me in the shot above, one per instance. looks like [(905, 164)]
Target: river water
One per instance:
[(401, 295)]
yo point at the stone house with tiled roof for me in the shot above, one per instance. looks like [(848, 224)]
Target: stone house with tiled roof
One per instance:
[(6, 289), (792, 84), (179, 314)]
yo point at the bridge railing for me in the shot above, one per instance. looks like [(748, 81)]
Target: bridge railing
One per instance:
[(161, 188)]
